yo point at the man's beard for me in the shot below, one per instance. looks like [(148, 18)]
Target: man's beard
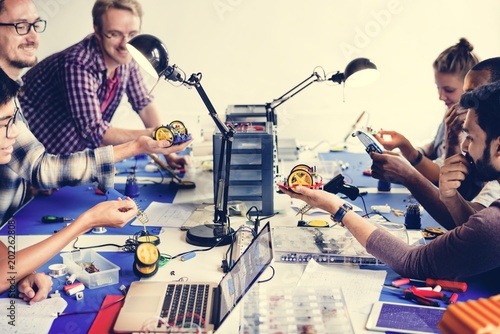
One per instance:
[(23, 64), (485, 170)]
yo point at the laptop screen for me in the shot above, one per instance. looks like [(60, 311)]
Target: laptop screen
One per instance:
[(245, 271)]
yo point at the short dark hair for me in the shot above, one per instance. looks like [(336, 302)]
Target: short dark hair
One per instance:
[(8, 88), (491, 65), (2, 6), (485, 101)]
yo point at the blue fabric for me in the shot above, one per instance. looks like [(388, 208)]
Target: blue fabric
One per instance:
[(72, 201)]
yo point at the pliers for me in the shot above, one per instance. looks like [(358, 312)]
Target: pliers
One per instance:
[(422, 297)]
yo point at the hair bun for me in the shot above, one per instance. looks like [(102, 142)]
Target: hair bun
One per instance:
[(463, 42)]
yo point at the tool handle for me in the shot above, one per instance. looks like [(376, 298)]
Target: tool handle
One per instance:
[(453, 298), (409, 295), (52, 219), (401, 281), (427, 293), (447, 285)]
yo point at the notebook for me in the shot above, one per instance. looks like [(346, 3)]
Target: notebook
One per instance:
[(148, 303)]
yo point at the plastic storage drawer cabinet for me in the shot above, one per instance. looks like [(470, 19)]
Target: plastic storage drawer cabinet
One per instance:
[(251, 177)]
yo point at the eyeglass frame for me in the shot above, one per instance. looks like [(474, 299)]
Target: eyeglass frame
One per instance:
[(11, 121), (15, 25)]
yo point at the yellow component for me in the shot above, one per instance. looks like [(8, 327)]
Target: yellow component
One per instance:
[(435, 230), (301, 167), (148, 238), (164, 133), (147, 253), (300, 178), (397, 212), (178, 127), (317, 223)]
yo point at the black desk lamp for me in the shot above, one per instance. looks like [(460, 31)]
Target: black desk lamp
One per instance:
[(152, 56), (359, 72)]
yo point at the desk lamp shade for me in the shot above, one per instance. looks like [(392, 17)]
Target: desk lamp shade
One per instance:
[(360, 72), (150, 53)]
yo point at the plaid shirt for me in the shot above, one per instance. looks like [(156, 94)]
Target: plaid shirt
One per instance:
[(63, 94), (31, 164)]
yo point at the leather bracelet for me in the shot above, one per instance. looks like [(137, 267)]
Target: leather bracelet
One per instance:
[(419, 158)]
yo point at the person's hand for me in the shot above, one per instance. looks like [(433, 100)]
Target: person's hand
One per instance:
[(109, 214), (453, 172), (34, 287), (148, 145), (176, 161), (454, 121), (390, 166), (392, 139), (314, 197)]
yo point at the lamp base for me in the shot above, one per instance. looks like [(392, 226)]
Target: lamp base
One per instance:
[(209, 235)]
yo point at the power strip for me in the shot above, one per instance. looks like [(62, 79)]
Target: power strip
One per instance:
[(243, 239)]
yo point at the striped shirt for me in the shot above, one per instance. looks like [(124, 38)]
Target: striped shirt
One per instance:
[(63, 94), (31, 164)]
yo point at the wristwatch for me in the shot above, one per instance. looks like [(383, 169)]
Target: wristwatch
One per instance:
[(419, 158), (341, 212)]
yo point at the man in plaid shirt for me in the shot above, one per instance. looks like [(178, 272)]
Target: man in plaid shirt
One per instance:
[(30, 163), (70, 97)]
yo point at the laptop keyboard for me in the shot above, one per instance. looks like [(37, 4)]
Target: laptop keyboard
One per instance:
[(185, 305)]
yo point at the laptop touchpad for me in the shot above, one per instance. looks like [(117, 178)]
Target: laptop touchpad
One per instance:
[(142, 304)]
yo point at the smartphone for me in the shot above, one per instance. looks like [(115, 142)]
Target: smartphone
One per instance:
[(369, 141), (404, 318)]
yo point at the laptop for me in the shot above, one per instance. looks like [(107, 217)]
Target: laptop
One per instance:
[(152, 306)]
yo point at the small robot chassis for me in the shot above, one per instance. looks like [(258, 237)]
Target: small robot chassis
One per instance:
[(175, 133)]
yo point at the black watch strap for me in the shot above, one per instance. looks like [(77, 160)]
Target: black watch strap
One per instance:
[(341, 212)]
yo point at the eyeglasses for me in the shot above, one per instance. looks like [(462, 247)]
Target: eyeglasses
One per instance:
[(11, 121), (118, 36), (23, 28)]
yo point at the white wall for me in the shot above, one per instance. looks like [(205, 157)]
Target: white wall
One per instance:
[(252, 51)]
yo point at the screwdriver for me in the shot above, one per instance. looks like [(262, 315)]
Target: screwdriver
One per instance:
[(453, 286), (421, 293), (54, 219)]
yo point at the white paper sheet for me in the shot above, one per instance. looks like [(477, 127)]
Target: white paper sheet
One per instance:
[(24, 318), (166, 214)]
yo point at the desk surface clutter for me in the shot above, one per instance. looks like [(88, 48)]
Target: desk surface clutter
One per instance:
[(206, 265)]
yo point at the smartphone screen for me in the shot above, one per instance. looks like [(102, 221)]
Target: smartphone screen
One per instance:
[(404, 318)]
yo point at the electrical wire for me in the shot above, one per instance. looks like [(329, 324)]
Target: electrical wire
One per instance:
[(270, 278), (204, 249), (91, 311), (130, 244)]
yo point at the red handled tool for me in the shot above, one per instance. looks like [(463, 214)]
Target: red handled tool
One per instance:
[(421, 297), (453, 286), (409, 295), (421, 293)]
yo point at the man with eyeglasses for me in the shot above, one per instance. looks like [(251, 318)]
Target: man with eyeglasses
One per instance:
[(31, 165), (70, 97)]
